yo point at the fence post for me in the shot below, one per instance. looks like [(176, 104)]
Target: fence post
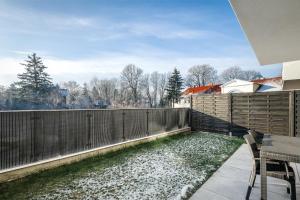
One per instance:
[(34, 142), (60, 132), (165, 119), (123, 125), (292, 113), (214, 112), (268, 114), (191, 113), (230, 113), (177, 117), (89, 121), (147, 115), (248, 125)]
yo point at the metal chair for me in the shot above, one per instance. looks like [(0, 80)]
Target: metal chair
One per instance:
[(280, 170), (258, 137)]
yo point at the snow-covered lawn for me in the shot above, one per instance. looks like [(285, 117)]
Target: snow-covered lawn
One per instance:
[(171, 168)]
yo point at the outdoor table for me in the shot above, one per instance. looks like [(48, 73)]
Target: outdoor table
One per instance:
[(276, 147)]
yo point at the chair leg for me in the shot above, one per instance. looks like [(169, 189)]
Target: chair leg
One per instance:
[(293, 188), (248, 192), (251, 183), (253, 176), (253, 180), (250, 178), (288, 186), (288, 190)]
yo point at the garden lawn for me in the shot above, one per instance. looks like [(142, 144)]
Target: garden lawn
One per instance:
[(169, 168)]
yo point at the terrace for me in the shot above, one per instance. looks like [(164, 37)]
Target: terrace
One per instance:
[(232, 178), (152, 153)]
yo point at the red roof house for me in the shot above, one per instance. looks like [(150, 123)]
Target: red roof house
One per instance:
[(207, 89)]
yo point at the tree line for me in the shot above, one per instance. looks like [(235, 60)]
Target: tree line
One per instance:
[(200, 75), (134, 88)]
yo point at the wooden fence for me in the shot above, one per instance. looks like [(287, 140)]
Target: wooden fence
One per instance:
[(211, 112), (30, 136), (272, 112), (297, 113)]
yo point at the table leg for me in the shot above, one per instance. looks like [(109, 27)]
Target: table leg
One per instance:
[(263, 178)]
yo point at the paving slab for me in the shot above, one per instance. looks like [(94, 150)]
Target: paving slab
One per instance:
[(230, 181)]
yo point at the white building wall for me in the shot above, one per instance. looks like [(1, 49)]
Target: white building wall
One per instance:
[(239, 86), (184, 102), (291, 70)]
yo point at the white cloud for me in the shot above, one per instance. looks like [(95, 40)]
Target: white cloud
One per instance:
[(102, 27), (162, 30)]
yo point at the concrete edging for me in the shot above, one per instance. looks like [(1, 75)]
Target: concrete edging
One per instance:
[(25, 170)]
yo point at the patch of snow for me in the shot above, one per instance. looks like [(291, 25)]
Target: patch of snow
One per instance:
[(170, 171)]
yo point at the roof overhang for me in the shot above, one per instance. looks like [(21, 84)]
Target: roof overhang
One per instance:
[(272, 27), (238, 82)]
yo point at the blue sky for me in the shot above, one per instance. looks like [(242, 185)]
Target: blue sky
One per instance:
[(80, 39)]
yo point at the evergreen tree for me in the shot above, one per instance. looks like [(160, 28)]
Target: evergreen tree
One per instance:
[(12, 97), (86, 100), (174, 87), (35, 84)]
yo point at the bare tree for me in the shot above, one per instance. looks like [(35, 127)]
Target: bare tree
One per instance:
[(252, 75), (3, 97), (56, 98), (95, 94), (131, 77), (74, 92), (232, 73), (104, 89), (86, 100), (201, 75), (12, 96), (162, 85), (145, 84), (107, 88), (237, 73), (125, 95), (154, 83)]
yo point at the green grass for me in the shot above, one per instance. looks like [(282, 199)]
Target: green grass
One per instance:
[(194, 152)]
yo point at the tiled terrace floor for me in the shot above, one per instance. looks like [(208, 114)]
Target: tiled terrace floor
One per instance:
[(230, 182)]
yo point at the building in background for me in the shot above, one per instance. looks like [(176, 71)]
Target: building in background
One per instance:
[(185, 99), (269, 84), (239, 86), (291, 75), (259, 85)]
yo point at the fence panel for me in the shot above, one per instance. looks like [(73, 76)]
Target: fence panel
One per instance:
[(135, 123), (264, 112), (211, 112), (30, 136), (184, 118), (157, 121), (172, 119)]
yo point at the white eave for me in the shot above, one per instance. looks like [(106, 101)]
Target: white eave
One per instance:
[(272, 27)]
